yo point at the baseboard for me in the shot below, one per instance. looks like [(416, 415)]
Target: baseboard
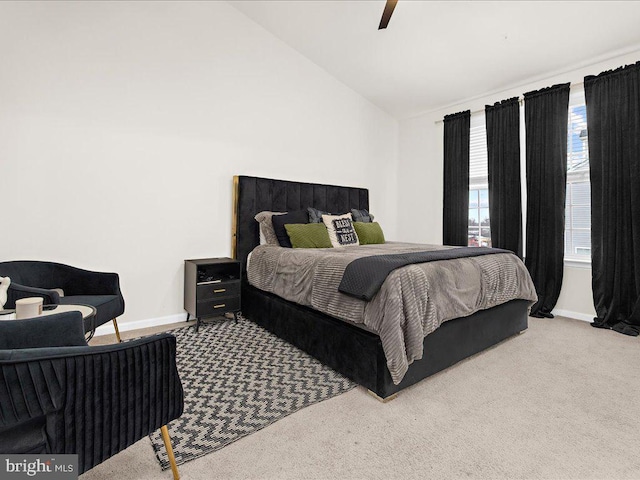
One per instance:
[(585, 317), (107, 328)]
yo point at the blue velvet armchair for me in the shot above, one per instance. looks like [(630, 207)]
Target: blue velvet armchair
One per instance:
[(39, 279), (59, 396)]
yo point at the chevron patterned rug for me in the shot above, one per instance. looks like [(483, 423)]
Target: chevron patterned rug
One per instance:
[(238, 379)]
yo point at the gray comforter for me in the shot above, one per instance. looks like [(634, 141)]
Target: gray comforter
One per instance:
[(412, 302)]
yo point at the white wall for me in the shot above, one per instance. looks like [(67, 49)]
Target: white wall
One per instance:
[(122, 124), (420, 175)]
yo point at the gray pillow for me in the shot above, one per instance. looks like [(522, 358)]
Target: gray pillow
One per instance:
[(361, 216), (266, 226), (315, 215)]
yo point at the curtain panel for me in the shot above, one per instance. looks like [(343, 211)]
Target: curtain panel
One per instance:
[(503, 150), (456, 179), (546, 115), (613, 123)]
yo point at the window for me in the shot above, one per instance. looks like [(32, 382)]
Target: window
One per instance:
[(479, 225), (577, 238)]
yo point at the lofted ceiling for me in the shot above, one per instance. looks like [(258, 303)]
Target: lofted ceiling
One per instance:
[(436, 53)]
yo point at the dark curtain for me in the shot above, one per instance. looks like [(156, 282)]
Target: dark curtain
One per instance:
[(456, 179), (613, 123), (503, 149), (546, 114)]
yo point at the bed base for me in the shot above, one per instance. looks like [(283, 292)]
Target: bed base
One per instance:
[(358, 354)]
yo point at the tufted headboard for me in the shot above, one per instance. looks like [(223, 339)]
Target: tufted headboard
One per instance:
[(252, 195)]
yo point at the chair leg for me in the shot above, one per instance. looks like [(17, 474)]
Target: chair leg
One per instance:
[(167, 445), (115, 325)]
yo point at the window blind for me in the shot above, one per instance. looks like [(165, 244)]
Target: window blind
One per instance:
[(478, 175)]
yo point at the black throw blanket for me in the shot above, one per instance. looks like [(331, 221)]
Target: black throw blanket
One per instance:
[(364, 276)]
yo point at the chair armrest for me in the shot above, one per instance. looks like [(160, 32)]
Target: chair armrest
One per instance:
[(53, 353), (76, 281), (57, 330), (103, 398), (17, 291)]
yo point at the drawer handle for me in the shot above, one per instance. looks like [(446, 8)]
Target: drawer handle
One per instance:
[(220, 290), (219, 306)]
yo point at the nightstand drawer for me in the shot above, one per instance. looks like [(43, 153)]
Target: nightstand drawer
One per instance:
[(218, 306), (217, 290)]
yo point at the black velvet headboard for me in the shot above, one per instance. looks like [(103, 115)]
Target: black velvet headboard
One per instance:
[(253, 195)]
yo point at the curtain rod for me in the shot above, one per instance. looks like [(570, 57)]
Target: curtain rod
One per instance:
[(520, 101)]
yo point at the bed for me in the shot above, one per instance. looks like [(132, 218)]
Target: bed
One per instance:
[(353, 351)]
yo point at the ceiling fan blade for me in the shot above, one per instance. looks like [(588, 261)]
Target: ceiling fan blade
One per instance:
[(386, 15)]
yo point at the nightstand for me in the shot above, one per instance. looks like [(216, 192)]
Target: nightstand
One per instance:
[(211, 287)]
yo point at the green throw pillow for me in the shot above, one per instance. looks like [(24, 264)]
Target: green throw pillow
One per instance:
[(308, 235), (369, 232)]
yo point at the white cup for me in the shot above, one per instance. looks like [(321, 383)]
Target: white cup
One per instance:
[(28, 307)]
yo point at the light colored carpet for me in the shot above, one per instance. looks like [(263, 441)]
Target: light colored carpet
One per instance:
[(557, 402)]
